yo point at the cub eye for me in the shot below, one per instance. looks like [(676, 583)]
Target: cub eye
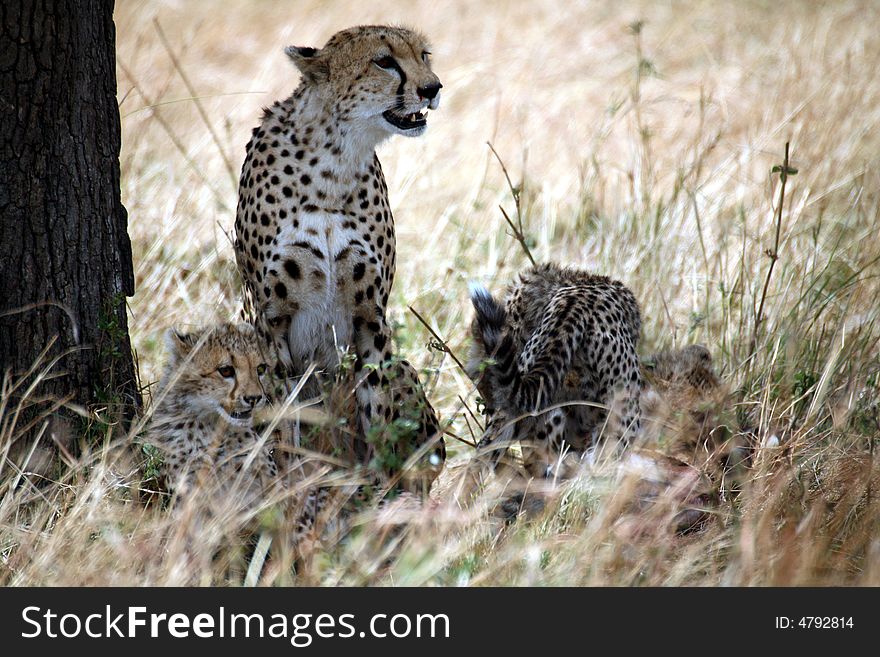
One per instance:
[(261, 369), (425, 56), (385, 62), (227, 371)]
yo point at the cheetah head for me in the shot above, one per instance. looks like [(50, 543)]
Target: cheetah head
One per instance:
[(376, 77), (220, 370), (692, 365)]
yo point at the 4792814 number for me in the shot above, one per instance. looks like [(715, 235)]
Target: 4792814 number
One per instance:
[(825, 622)]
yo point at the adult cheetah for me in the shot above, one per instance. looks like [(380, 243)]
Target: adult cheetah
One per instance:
[(557, 362), (315, 239)]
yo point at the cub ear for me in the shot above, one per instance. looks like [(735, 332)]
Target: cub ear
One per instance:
[(311, 62), (180, 344)]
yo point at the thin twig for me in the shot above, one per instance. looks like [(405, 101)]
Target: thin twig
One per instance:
[(506, 175), (517, 229), (773, 254), (460, 439), (440, 341), (518, 236), (471, 413), (470, 428)]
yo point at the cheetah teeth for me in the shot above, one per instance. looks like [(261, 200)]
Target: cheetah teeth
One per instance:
[(406, 121), (416, 116)]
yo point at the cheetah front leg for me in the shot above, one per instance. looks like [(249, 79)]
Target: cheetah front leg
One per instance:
[(371, 337), (396, 420), (372, 344)]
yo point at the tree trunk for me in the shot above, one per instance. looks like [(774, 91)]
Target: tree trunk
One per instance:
[(65, 255)]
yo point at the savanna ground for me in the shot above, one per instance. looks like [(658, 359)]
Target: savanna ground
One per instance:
[(641, 138)]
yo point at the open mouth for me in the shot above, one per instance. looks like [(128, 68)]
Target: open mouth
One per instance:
[(406, 121)]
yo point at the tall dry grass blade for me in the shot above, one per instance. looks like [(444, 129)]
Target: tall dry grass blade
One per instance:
[(196, 99)]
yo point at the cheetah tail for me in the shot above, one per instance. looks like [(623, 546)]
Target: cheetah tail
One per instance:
[(489, 319)]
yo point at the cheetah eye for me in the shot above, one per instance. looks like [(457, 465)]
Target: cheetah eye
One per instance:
[(385, 62), (227, 371), (426, 56), (261, 369)]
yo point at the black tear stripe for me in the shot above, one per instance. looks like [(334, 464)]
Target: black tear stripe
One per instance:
[(399, 70)]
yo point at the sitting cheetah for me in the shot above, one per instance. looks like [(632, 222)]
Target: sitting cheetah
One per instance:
[(554, 360), (314, 232), (202, 423)]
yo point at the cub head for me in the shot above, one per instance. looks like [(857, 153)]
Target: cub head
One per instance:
[(688, 410), (221, 369), (691, 365), (377, 77)]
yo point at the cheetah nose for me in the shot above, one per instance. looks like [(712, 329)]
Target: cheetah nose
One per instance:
[(430, 91), (253, 400)]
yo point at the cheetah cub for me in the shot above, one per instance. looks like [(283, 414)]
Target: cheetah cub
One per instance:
[(690, 459), (557, 362), (687, 414), (203, 420)]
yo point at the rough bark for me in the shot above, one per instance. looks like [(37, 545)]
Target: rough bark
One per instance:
[(65, 255)]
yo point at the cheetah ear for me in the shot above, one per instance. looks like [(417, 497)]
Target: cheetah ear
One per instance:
[(179, 344), (310, 62)]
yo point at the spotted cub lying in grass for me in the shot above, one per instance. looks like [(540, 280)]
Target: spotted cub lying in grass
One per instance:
[(202, 423), (209, 451)]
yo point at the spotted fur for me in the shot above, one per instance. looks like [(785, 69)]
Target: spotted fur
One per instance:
[(202, 424), (315, 240), (556, 358), (691, 456), (691, 365), (687, 413)]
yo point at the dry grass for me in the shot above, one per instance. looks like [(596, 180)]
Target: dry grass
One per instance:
[(642, 137)]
